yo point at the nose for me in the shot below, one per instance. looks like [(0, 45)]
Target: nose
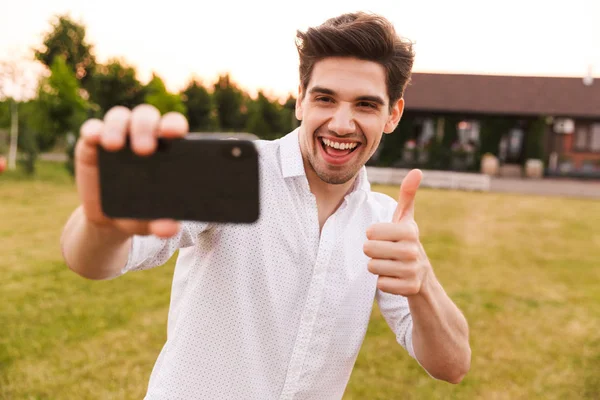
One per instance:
[(342, 121)]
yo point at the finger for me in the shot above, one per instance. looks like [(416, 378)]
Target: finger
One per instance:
[(91, 131), (393, 285), (144, 129), (406, 199), (173, 125), (386, 250), (164, 228), (395, 269), (405, 230), (116, 124), (89, 137), (131, 226)]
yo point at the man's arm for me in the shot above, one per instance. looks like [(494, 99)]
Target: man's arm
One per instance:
[(440, 333), (440, 337), (93, 245), (93, 251), (431, 328)]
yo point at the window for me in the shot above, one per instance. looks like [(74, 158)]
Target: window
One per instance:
[(581, 137), (595, 137), (515, 142), (587, 137), (427, 132), (468, 132)]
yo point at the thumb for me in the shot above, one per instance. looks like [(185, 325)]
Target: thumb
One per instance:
[(406, 199)]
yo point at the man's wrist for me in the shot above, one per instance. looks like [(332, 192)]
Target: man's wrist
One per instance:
[(429, 286)]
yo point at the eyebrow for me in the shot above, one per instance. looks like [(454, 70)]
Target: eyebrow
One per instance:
[(323, 90)]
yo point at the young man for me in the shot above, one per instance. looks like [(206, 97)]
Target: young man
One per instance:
[(279, 309)]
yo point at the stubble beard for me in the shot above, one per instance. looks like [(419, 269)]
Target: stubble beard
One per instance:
[(346, 172)]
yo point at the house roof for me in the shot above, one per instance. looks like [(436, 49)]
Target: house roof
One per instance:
[(506, 95)]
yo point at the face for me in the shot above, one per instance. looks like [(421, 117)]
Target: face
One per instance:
[(344, 112)]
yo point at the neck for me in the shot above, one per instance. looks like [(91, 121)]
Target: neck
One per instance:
[(329, 197)]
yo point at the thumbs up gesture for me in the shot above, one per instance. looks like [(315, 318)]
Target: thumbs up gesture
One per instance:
[(396, 253)]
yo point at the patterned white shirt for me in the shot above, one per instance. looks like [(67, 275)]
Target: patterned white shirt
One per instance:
[(271, 310)]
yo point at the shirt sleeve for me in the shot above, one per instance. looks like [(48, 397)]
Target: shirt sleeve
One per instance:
[(151, 251), (396, 313)]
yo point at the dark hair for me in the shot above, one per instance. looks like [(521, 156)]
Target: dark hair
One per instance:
[(361, 35)]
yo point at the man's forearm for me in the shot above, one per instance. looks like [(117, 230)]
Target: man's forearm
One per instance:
[(440, 333), (93, 251)]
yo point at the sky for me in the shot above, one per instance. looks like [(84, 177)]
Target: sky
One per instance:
[(255, 40)]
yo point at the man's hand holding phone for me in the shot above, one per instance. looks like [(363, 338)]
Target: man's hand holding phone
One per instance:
[(138, 173), (144, 126)]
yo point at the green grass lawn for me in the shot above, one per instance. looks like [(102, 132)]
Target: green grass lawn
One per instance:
[(524, 270)]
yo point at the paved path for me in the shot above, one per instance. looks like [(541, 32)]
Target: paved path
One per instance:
[(57, 157), (547, 187)]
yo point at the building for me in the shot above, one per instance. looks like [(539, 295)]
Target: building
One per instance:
[(555, 119)]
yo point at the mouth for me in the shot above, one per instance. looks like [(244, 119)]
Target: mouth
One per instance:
[(337, 151)]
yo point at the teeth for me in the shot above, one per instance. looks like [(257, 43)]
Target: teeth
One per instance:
[(338, 145)]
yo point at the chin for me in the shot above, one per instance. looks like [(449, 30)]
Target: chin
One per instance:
[(335, 177), (334, 180)]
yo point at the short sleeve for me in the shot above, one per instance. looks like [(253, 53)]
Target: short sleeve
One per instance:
[(396, 312), (151, 251)]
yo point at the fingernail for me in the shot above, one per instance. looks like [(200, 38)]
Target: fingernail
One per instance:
[(113, 136), (146, 142)]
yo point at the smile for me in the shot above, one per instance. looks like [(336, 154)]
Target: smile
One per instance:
[(339, 145), (337, 152)]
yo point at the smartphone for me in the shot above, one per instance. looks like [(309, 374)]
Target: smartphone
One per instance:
[(211, 180)]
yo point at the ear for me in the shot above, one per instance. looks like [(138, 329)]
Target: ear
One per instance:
[(299, 99), (395, 115)]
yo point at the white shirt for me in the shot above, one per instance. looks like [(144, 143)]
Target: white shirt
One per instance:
[(271, 310)]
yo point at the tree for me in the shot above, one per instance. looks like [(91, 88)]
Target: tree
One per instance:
[(60, 108), (4, 114), (159, 97), (67, 39), (115, 83), (201, 111), (231, 104), (28, 136), (265, 118), (26, 145), (288, 114), (15, 84)]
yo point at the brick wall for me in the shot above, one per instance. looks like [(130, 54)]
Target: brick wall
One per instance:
[(578, 157)]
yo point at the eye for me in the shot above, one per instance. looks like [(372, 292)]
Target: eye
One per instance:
[(366, 104), (323, 99)]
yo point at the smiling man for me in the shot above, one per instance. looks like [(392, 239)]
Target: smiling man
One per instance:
[(279, 309)]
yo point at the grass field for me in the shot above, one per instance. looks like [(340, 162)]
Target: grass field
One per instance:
[(525, 271)]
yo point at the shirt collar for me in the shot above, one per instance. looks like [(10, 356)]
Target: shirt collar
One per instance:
[(362, 181), (292, 164), (290, 155)]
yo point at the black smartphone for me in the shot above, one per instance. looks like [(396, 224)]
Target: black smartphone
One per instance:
[(211, 180)]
